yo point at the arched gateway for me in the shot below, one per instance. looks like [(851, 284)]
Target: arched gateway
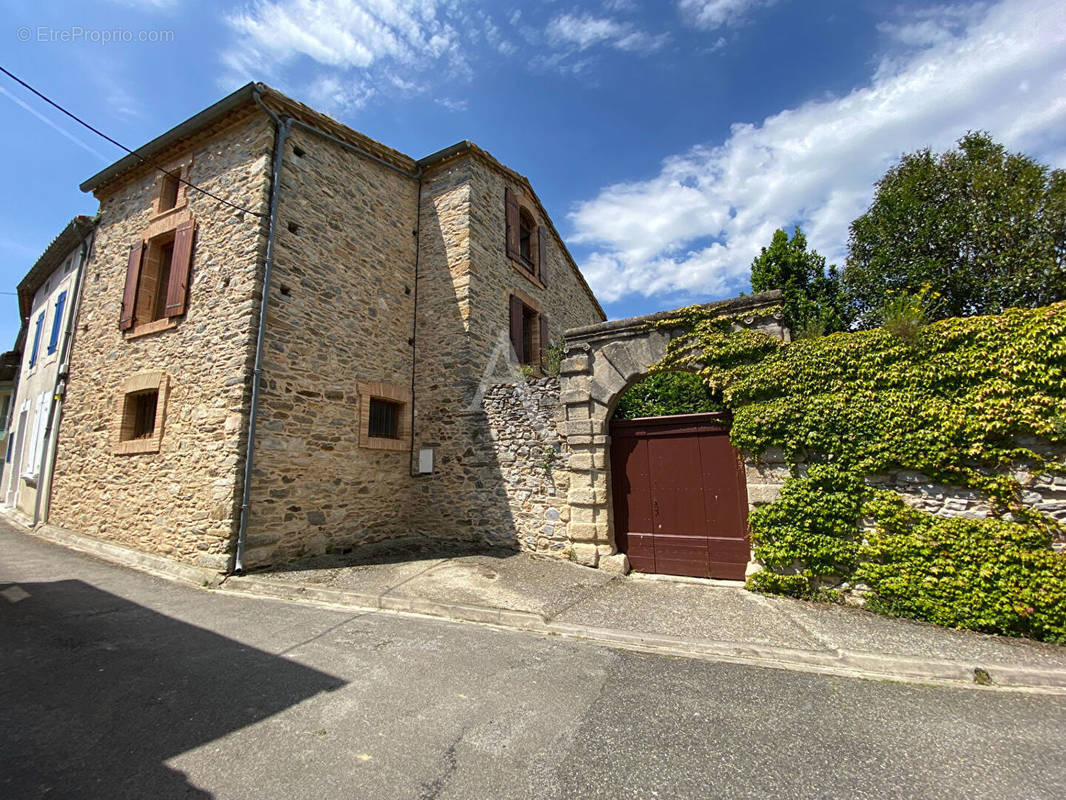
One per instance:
[(601, 362)]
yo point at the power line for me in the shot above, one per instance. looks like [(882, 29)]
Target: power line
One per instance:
[(121, 146)]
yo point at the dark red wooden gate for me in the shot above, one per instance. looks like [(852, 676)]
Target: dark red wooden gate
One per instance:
[(679, 497)]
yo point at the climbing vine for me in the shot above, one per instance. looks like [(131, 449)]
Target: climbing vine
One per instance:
[(976, 402)]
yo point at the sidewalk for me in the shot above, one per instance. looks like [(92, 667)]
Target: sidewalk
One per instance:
[(680, 617), (702, 619)]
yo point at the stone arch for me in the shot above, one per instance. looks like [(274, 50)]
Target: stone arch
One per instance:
[(601, 362)]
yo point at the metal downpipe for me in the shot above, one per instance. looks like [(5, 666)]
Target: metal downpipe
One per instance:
[(282, 127)]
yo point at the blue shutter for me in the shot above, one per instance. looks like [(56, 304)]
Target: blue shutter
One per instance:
[(57, 322), (37, 339)]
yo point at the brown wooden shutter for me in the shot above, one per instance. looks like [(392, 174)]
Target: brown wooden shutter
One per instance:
[(129, 295), (514, 232), (180, 262), (542, 254), (544, 343), (517, 313)]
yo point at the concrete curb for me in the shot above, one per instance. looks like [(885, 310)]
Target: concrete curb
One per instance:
[(847, 663), (160, 566), (508, 618)]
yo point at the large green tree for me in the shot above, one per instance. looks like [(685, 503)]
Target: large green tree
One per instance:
[(984, 228), (814, 301)]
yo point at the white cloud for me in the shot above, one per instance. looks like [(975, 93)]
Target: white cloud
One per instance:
[(335, 95), (695, 227), (343, 35), (453, 105), (711, 14), (582, 31)]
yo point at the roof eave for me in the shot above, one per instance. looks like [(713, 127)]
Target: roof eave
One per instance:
[(189, 127)]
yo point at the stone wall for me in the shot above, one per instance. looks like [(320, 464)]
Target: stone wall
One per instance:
[(340, 315), (182, 500), (1045, 493), (533, 461)]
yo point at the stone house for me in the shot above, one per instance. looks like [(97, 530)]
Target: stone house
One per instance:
[(285, 331), (47, 304)]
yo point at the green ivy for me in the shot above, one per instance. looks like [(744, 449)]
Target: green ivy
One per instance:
[(964, 401), (666, 393)]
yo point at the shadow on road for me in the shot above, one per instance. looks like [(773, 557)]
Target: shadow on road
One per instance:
[(97, 692)]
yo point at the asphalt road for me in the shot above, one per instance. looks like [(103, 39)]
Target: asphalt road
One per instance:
[(116, 684)]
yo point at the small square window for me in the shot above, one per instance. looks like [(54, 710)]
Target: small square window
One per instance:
[(139, 416), (168, 192), (384, 418), (140, 412), (384, 415)]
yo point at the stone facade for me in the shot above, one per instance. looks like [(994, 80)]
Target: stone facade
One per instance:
[(388, 295), (463, 347), (339, 315), (180, 501)]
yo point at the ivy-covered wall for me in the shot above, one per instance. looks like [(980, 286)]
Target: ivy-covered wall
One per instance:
[(972, 409)]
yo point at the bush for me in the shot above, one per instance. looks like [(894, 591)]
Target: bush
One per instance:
[(986, 575), (813, 526)]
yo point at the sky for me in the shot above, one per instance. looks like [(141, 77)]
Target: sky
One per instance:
[(667, 140)]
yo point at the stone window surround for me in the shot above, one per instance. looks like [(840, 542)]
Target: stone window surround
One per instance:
[(529, 272), (393, 393), (160, 231), (140, 382), (534, 306), (180, 169)]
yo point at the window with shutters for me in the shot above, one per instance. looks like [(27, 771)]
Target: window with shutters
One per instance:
[(529, 330), (157, 280), (36, 340), (139, 413), (384, 415), (57, 322), (525, 240)]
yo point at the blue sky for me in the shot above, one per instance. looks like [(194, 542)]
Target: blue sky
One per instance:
[(668, 140)]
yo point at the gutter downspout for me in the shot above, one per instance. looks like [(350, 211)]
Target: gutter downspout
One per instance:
[(55, 412), (282, 126), (414, 321)]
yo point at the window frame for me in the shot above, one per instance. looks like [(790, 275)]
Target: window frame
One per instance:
[(394, 393), (122, 441), (158, 236), (35, 351), (57, 322), (534, 330), (519, 216)]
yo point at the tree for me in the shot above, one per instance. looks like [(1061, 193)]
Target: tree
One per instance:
[(664, 393), (814, 301), (984, 228)]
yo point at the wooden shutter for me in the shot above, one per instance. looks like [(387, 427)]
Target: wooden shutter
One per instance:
[(542, 254), (517, 312), (510, 203), (544, 343), (129, 295), (180, 262)]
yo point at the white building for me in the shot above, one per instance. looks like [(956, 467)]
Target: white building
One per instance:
[(48, 304)]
